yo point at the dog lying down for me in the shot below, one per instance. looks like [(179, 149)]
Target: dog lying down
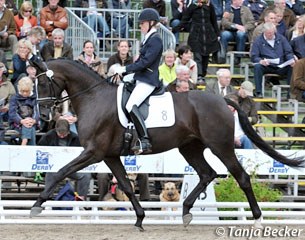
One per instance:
[(116, 194), (169, 193)]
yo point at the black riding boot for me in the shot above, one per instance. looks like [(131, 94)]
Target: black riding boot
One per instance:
[(142, 145)]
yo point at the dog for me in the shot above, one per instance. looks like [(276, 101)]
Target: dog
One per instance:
[(169, 193), (116, 194)]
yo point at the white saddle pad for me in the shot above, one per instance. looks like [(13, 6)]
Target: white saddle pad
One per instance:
[(161, 110)]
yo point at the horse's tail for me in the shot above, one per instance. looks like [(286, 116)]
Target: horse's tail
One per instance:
[(260, 143)]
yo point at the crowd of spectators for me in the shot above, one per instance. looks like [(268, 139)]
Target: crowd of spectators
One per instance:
[(275, 34)]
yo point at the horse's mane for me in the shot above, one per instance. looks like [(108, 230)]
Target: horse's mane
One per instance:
[(89, 68)]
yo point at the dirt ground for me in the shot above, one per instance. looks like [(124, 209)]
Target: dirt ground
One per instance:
[(167, 232)]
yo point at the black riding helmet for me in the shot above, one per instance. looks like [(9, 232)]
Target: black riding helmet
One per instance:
[(149, 15)]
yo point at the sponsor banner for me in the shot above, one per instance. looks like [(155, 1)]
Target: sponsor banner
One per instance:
[(4, 163)]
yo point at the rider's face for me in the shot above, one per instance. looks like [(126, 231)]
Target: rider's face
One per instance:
[(144, 26)]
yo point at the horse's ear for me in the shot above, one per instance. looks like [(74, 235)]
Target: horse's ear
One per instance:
[(38, 64)]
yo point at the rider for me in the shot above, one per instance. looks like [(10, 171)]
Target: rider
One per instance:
[(146, 75)]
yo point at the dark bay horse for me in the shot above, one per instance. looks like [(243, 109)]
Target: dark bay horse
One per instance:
[(203, 120)]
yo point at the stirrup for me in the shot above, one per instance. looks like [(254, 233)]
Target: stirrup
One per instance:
[(140, 147)]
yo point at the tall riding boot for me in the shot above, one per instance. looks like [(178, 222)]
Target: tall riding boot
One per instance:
[(142, 145)]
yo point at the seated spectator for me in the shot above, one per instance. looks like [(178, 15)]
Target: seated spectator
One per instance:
[(61, 136), (240, 138), (122, 56), (57, 48), (95, 20), (62, 3), (25, 20), (182, 86), (222, 85), (238, 27), (296, 6), (297, 30), (10, 4), (21, 58), (103, 181), (159, 5), (7, 90), (256, 7), (270, 16), (31, 73), (178, 8), (297, 84), (268, 51), (244, 96), (23, 112), (53, 16), (90, 58), (298, 46), (183, 75), (280, 24), (8, 36), (35, 36), (289, 16), (167, 70), (185, 57), (119, 20)]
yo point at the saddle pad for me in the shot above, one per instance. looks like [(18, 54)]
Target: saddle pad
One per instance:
[(161, 110)]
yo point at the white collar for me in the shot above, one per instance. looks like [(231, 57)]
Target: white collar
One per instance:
[(152, 30)]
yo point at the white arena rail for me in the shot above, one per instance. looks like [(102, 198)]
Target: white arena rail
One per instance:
[(17, 212)]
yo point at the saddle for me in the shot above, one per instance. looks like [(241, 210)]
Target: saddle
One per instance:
[(144, 107)]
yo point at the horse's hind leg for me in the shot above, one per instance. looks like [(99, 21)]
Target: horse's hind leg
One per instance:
[(229, 159), (193, 154), (119, 172), (83, 160)]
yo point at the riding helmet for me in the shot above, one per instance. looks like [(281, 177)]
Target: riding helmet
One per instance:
[(149, 14)]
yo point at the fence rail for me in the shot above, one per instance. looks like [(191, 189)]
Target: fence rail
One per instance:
[(17, 212)]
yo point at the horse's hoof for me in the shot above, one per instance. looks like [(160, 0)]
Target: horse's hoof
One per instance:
[(35, 211), (258, 223), (140, 229), (187, 218)]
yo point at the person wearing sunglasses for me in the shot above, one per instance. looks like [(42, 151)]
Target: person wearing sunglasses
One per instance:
[(25, 20)]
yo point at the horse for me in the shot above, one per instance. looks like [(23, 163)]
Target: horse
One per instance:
[(203, 120)]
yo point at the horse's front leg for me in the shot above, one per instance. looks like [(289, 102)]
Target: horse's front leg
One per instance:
[(119, 172), (84, 159)]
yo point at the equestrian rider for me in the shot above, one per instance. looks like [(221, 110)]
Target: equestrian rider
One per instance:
[(146, 75)]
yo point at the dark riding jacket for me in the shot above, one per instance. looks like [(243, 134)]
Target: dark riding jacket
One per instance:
[(146, 67)]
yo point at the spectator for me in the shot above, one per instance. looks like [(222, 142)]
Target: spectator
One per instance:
[(220, 6), (297, 30), (22, 57), (298, 46), (61, 136), (270, 16), (167, 70), (35, 36), (62, 3), (238, 27), (280, 24), (240, 138), (90, 58), (204, 34), (182, 86), (122, 56), (296, 6), (178, 8), (119, 20), (183, 75), (23, 112), (268, 51), (10, 4), (103, 181), (256, 7), (289, 16), (297, 84), (7, 90), (25, 20), (53, 16), (8, 36), (244, 96), (158, 5), (95, 20), (185, 56), (57, 48), (222, 85)]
